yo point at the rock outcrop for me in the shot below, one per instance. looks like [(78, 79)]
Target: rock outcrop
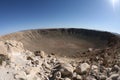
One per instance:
[(17, 63)]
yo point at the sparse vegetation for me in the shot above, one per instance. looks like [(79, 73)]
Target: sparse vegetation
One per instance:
[(2, 58)]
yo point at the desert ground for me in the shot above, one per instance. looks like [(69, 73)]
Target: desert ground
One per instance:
[(60, 54)]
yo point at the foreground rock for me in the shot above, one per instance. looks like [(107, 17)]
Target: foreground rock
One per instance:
[(18, 63)]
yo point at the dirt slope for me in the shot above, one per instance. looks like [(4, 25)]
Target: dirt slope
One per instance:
[(63, 42)]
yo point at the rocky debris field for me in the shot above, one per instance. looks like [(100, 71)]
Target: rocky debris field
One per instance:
[(17, 63)]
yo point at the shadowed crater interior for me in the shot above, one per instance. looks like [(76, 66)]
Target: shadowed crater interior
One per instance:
[(63, 42)]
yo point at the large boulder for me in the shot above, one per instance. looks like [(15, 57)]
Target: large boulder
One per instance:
[(114, 77), (66, 69), (116, 69), (40, 53), (82, 68)]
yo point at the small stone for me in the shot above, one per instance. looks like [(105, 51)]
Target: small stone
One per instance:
[(67, 79), (83, 68), (103, 77), (116, 68), (78, 77), (114, 77), (118, 78), (74, 75), (90, 49), (90, 78), (57, 75), (95, 68), (42, 54)]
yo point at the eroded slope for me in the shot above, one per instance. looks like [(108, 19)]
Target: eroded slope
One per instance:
[(67, 42)]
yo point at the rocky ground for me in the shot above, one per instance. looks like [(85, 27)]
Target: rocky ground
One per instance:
[(17, 63)]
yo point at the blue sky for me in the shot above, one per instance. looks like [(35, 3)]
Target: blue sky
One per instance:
[(16, 15)]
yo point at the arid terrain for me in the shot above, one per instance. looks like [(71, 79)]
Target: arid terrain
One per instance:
[(61, 41), (60, 54)]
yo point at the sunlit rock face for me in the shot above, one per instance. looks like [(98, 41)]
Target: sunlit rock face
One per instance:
[(12, 47), (19, 66), (13, 50), (3, 48)]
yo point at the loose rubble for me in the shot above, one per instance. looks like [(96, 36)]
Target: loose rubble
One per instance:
[(18, 63)]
